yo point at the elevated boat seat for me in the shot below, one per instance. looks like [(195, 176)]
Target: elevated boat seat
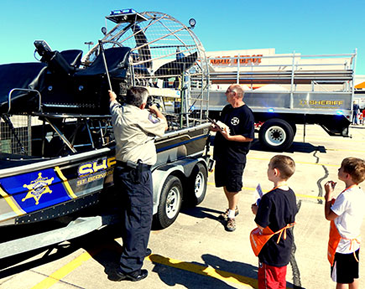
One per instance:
[(56, 61), (67, 62), (72, 57)]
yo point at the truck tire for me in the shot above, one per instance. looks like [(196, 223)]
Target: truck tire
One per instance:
[(276, 135), (294, 127), (170, 203), (197, 185)]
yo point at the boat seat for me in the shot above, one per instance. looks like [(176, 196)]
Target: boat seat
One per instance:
[(19, 75), (72, 56), (116, 58), (56, 62)]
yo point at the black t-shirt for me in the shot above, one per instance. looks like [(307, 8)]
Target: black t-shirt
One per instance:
[(277, 209), (240, 121)]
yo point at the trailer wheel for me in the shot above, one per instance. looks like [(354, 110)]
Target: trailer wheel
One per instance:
[(276, 135), (170, 203), (197, 185)]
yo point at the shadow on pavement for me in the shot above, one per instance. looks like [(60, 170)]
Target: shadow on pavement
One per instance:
[(15, 264), (201, 212), (222, 273), (94, 243), (194, 275), (295, 147)]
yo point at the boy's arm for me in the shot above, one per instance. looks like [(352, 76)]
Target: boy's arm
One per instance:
[(261, 228), (254, 209), (328, 213)]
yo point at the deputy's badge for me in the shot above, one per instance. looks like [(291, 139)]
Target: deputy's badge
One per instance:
[(37, 188), (235, 121), (153, 119)]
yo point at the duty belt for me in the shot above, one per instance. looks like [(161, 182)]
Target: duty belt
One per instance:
[(134, 170), (132, 165)]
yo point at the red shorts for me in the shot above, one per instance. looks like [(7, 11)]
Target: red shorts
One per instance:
[(271, 277)]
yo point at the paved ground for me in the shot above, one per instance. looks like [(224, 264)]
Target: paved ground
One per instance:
[(196, 251)]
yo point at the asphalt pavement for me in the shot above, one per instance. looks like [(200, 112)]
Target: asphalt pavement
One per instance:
[(196, 251)]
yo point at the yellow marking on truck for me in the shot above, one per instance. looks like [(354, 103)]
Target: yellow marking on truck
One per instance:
[(13, 205), (65, 182)]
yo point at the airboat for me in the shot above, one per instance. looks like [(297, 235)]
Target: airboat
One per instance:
[(56, 139)]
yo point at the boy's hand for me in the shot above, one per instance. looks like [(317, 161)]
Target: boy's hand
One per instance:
[(254, 208), (329, 187), (328, 213)]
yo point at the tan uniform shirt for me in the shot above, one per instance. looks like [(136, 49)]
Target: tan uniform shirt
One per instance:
[(135, 130)]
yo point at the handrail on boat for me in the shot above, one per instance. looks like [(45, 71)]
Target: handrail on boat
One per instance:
[(28, 90)]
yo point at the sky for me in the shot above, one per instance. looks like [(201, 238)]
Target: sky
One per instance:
[(307, 27)]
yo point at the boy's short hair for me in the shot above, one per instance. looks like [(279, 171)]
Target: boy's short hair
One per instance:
[(355, 167), (284, 164)]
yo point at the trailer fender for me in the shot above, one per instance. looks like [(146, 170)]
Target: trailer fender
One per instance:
[(182, 169), (196, 186)]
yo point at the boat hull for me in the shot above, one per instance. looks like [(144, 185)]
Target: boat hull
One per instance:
[(40, 189)]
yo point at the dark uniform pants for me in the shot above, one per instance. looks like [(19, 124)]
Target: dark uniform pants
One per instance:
[(137, 213)]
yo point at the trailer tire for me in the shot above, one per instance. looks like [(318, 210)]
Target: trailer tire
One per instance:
[(276, 135), (170, 203), (196, 188)]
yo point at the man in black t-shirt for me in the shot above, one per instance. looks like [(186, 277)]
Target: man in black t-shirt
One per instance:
[(235, 132)]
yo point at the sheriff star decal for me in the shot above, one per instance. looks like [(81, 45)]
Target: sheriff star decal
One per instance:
[(37, 188)]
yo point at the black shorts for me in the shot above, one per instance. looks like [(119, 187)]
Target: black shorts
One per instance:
[(229, 175), (345, 268)]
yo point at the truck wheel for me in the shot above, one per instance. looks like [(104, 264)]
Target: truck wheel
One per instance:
[(197, 185), (170, 203), (276, 135), (294, 127)]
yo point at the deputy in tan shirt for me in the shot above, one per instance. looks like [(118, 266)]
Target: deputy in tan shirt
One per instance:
[(135, 129)]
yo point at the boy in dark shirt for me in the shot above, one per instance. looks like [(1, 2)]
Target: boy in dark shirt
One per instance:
[(275, 214)]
